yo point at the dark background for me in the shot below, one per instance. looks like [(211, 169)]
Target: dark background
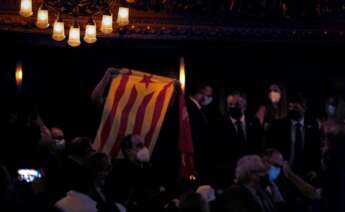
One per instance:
[(59, 79)]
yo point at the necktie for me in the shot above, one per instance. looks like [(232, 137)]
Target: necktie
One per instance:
[(298, 148), (240, 132)]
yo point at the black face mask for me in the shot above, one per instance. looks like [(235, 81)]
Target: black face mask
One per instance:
[(264, 181), (235, 112), (295, 115)]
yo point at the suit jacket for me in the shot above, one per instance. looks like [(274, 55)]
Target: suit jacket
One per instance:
[(239, 198), (201, 137), (280, 138), (229, 149), (253, 143)]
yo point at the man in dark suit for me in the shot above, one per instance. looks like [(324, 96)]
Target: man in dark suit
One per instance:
[(201, 96), (240, 136), (298, 138)]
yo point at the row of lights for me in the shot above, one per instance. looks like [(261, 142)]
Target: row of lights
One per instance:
[(74, 31)]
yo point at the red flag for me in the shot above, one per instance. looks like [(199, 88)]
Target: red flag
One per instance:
[(187, 168)]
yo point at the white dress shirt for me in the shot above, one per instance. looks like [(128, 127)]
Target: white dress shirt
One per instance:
[(243, 122)]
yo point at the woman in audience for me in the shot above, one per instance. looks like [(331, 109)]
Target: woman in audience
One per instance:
[(333, 112), (275, 107)]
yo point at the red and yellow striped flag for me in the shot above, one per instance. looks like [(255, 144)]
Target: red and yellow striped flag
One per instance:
[(136, 104)]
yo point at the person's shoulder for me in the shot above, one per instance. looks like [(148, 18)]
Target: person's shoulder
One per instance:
[(191, 104), (234, 189), (311, 122), (236, 192)]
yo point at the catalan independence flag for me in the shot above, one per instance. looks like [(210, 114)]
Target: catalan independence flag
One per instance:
[(136, 104)]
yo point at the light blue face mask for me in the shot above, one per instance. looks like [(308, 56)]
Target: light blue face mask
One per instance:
[(330, 109), (273, 173), (207, 101)]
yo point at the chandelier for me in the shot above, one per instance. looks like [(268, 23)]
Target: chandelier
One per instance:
[(76, 9)]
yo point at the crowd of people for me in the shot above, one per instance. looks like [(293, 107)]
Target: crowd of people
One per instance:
[(278, 159)]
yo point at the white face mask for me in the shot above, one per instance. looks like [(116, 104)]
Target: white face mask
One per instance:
[(274, 96), (143, 155), (60, 144), (331, 109), (207, 101)]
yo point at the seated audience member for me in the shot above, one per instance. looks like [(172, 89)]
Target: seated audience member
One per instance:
[(133, 180), (209, 194), (298, 138), (193, 202), (288, 191), (285, 186), (78, 198), (248, 194), (240, 135), (273, 161)]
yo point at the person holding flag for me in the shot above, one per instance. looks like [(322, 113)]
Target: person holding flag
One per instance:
[(98, 94), (136, 104)]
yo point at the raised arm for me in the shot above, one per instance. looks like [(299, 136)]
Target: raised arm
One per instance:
[(305, 188), (97, 95)]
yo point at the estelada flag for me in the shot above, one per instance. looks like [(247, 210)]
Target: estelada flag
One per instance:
[(136, 104)]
